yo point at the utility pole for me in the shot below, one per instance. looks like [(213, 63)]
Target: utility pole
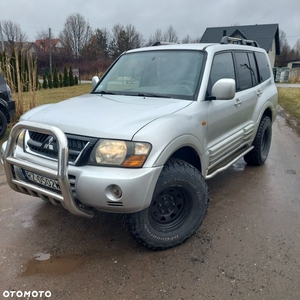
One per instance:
[(50, 51), (1, 36)]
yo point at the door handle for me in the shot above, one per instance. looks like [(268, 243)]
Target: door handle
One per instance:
[(259, 92), (238, 102)]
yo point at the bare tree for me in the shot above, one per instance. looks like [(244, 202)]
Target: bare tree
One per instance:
[(170, 35), (123, 39), (186, 40), (285, 50), (156, 37), (134, 38), (97, 48), (189, 40), (42, 35), (13, 34), (296, 49), (76, 34)]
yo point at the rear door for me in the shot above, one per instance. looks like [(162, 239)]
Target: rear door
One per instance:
[(249, 90), (224, 126)]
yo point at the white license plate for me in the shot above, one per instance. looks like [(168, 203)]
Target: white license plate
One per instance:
[(51, 183)]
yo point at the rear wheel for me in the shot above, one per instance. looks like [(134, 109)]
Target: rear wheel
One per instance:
[(262, 142), (178, 207), (3, 124)]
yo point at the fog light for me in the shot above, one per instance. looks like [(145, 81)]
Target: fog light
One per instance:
[(116, 191)]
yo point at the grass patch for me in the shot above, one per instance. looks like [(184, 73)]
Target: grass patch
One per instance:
[(59, 94), (289, 99)]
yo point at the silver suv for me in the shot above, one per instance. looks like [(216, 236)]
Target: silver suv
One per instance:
[(159, 122)]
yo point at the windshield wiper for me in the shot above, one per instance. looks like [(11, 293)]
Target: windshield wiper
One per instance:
[(153, 95), (105, 93)]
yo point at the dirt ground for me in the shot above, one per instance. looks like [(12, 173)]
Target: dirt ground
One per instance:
[(248, 246)]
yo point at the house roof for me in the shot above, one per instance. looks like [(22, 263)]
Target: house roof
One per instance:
[(43, 44), (262, 34)]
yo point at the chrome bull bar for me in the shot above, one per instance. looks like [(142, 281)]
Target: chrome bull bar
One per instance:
[(60, 174)]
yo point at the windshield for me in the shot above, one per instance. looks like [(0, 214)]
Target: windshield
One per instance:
[(162, 73)]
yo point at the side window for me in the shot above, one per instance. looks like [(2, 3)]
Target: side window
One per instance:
[(263, 66), (244, 71), (222, 67), (253, 67)]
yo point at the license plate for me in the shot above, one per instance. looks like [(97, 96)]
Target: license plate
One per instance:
[(45, 181)]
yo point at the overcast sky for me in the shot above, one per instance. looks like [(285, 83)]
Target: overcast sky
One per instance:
[(188, 17)]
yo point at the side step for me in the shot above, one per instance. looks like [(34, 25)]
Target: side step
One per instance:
[(230, 160)]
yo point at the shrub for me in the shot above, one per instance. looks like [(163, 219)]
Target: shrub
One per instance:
[(71, 76), (45, 83), (66, 77), (55, 78), (61, 83), (50, 82)]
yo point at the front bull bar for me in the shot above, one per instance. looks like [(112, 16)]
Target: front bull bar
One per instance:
[(60, 174)]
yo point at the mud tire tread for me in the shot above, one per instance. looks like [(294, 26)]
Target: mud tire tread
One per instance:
[(135, 223)]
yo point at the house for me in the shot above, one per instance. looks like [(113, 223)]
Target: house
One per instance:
[(292, 64), (294, 70), (266, 35), (43, 45), (27, 47)]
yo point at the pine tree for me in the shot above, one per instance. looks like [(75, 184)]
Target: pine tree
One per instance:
[(61, 83), (45, 83), (71, 76), (66, 77), (55, 78), (50, 82), (76, 80)]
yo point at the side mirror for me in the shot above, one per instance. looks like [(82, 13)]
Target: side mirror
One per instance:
[(224, 89), (95, 80)]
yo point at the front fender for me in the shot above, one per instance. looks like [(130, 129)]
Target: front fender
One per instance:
[(186, 140)]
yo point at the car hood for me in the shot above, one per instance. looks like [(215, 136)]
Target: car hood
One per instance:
[(105, 116)]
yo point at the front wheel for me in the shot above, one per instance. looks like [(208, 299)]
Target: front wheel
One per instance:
[(262, 142), (178, 207)]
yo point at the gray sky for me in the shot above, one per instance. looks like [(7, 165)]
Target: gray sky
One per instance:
[(188, 17)]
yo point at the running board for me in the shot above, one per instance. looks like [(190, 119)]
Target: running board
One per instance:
[(227, 162)]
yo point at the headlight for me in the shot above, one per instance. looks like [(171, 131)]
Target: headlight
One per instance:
[(120, 153), (20, 139)]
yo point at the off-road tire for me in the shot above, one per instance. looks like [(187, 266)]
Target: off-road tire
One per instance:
[(178, 207), (262, 142), (3, 124)]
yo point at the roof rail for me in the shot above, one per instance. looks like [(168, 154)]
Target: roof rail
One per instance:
[(162, 43), (240, 41)]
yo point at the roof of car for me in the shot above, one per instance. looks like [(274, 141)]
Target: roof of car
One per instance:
[(196, 46)]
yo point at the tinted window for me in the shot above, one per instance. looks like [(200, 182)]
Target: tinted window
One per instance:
[(244, 71), (222, 67), (253, 67), (263, 66)]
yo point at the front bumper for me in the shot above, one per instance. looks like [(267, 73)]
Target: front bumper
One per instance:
[(81, 188)]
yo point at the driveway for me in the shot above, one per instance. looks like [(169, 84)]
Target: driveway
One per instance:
[(247, 248)]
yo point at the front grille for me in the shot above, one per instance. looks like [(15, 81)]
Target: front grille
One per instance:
[(47, 146)]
